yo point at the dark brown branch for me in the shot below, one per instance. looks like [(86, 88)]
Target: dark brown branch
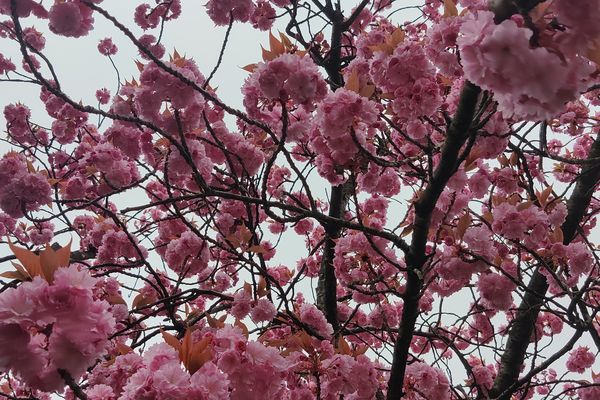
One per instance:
[(327, 283), (355, 14), (458, 132), (415, 259), (524, 323), (77, 391), (504, 9)]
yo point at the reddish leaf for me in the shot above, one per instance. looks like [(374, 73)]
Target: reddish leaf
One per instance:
[(488, 217), (242, 326), (276, 47), (140, 66), (198, 359), (250, 67), (543, 196), (286, 41), (343, 347), (29, 260), (384, 47), (51, 260), (257, 248), (116, 299), (352, 83), (557, 235), (186, 348), (262, 290), (214, 323), (540, 11), (170, 340), (30, 167), (267, 55), (450, 9), (593, 53), (123, 349), (367, 91), (525, 205), (406, 231), (396, 37), (359, 350), (463, 223), (139, 301), (14, 275)]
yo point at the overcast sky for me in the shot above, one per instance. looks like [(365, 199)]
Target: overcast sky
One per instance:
[(82, 69)]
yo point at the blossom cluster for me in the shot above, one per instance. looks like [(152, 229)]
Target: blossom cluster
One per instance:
[(340, 129), (260, 13), (49, 326), (529, 83), (22, 189), (235, 367)]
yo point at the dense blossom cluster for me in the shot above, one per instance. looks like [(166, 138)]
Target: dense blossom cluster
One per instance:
[(48, 326), (23, 189), (260, 13), (459, 152), (341, 131), (529, 83)]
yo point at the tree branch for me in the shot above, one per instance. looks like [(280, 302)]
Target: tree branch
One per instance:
[(327, 283), (77, 391), (458, 132), (527, 313)]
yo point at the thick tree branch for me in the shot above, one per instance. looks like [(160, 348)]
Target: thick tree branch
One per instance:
[(504, 9), (458, 132), (457, 135), (77, 391), (524, 323), (327, 283)]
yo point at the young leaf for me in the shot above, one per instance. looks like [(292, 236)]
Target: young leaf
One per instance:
[(352, 83), (463, 224), (397, 37), (14, 275), (276, 46), (170, 340), (450, 9), (250, 67), (543, 196), (29, 260), (286, 41), (593, 53), (267, 55), (51, 260)]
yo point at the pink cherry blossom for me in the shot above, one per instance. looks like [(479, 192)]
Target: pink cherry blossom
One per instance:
[(499, 58), (496, 290), (106, 47), (219, 11), (580, 359), (70, 19), (310, 315)]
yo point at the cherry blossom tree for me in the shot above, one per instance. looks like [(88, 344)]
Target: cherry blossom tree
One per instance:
[(404, 207)]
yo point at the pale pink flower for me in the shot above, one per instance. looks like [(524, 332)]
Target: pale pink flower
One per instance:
[(496, 290), (70, 19), (314, 318), (106, 47), (580, 359), (263, 310)]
